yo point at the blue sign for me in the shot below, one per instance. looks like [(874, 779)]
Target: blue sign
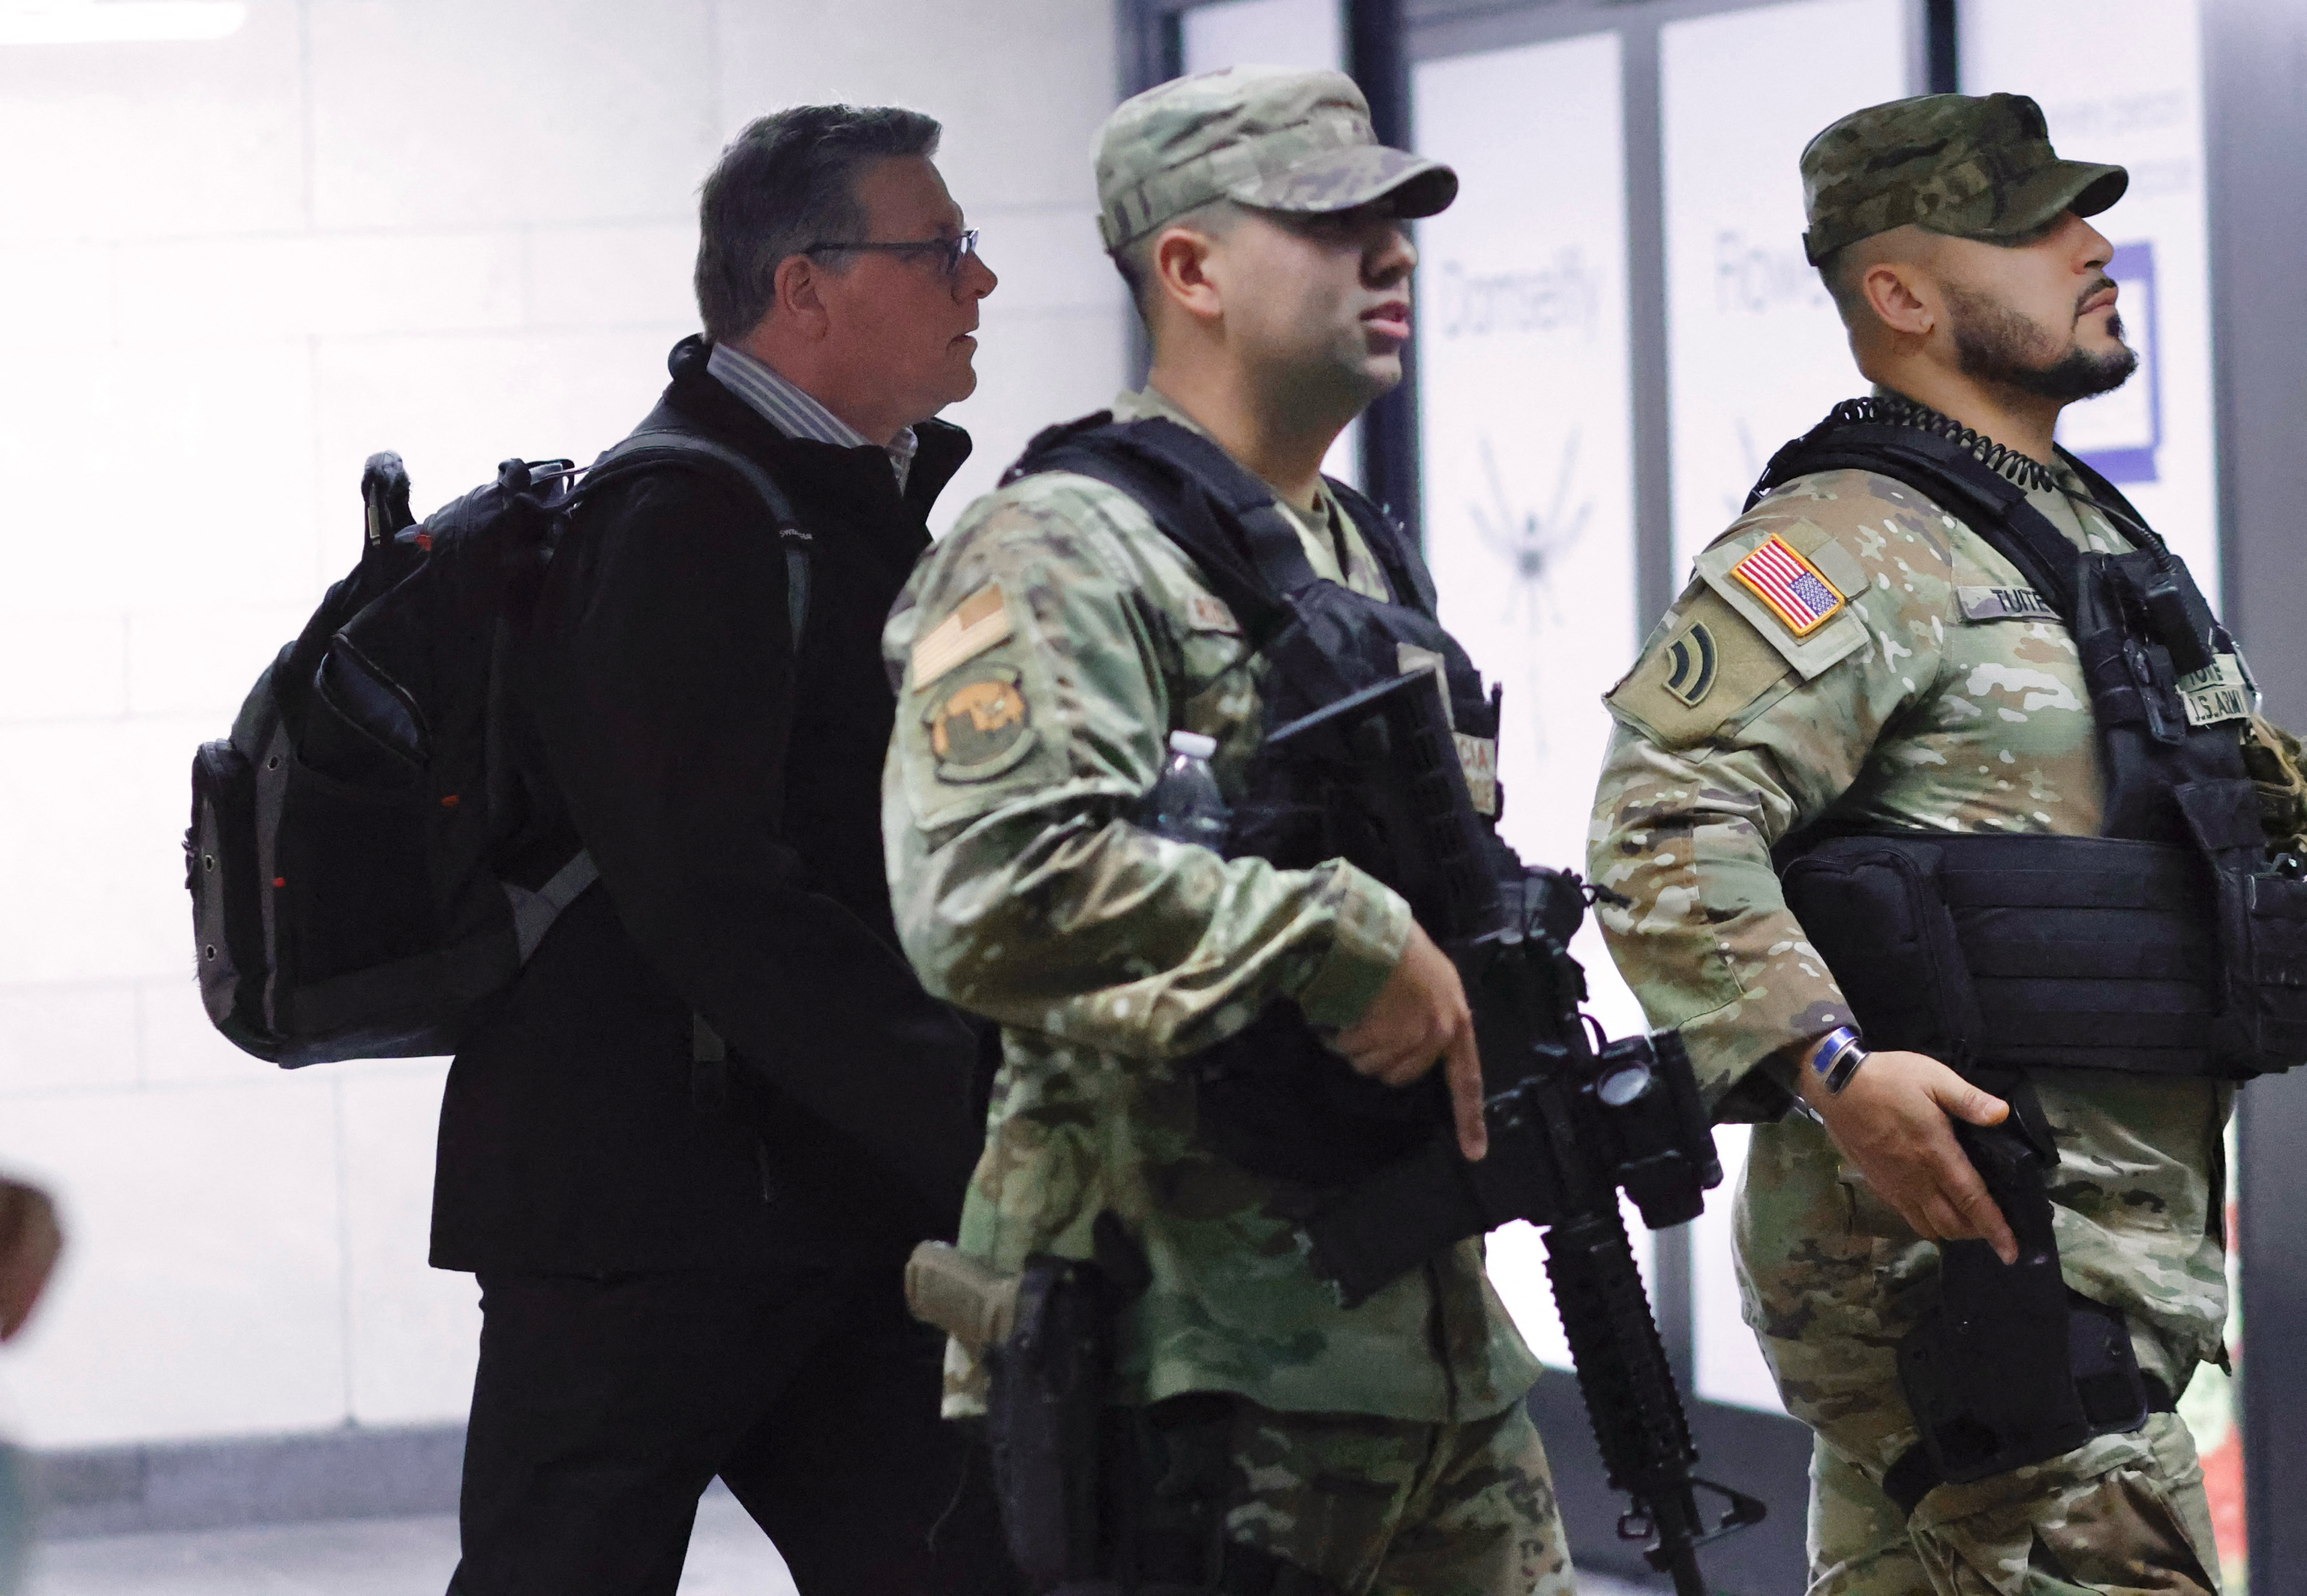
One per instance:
[(2119, 433)]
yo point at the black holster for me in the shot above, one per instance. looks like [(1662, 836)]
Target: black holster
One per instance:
[(1045, 1411), (1097, 1497), (2012, 1367), (2031, 950)]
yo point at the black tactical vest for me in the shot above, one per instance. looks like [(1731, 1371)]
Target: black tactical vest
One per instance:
[(2172, 943), (1272, 1098)]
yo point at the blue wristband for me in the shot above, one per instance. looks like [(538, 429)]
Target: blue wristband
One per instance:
[(1838, 1058)]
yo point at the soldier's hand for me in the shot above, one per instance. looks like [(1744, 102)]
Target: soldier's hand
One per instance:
[(1890, 1120), (1420, 1015)]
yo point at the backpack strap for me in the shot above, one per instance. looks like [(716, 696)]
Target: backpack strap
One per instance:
[(708, 1054), (534, 913), (662, 446)]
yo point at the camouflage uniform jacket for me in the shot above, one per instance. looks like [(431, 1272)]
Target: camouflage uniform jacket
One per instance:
[(1943, 695), (1048, 646)]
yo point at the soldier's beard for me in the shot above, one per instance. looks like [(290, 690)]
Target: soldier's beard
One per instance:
[(1997, 344)]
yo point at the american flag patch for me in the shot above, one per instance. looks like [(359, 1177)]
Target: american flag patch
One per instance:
[(1790, 585)]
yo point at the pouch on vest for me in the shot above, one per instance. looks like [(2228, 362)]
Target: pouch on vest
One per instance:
[(354, 852), (1904, 973), (2262, 917)]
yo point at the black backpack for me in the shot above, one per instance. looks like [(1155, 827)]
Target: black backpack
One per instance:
[(348, 855)]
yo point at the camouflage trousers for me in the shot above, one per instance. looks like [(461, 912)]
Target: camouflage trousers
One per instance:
[(2121, 1513), (1830, 1294), (1388, 1507)]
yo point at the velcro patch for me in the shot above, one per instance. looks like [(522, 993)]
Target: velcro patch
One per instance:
[(1478, 759), (2003, 603), (981, 728), (2217, 692), (1791, 586), (1691, 660), (1825, 645), (1712, 664), (977, 623), (1206, 612)]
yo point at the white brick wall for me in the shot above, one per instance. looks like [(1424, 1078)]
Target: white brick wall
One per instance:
[(228, 271)]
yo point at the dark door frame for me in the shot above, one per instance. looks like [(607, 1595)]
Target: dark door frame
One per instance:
[(2254, 61)]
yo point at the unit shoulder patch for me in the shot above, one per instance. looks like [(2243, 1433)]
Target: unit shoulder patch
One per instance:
[(980, 726), (975, 624), (1206, 612), (1710, 665), (1691, 660)]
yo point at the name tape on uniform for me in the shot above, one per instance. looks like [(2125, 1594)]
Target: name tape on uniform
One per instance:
[(977, 623), (2217, 692), (1796, 591), (2003, 603), (1478, 760), (1478, 756)]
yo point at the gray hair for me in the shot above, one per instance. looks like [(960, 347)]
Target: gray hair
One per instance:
[(789, 181)]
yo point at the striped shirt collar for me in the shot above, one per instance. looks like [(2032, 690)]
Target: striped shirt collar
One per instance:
[(796, 413)]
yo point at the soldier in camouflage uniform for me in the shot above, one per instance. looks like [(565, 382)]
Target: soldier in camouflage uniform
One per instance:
[(1914, 681), (1046, 647)]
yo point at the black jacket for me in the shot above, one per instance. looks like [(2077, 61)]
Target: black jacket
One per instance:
[(733, 805)]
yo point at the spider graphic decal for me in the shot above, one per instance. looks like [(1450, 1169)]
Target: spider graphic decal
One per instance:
[(1529, 542)]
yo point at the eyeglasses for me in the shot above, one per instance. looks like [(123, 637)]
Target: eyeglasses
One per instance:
[(949, 252)]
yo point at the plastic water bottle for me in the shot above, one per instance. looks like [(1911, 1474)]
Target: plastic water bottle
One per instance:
[(1185, 804)]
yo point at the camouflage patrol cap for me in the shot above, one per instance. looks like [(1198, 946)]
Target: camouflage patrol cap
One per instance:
[(1265, 136), (1959, 164)]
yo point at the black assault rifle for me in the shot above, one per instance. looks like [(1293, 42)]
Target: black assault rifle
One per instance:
[(1572, 1119)]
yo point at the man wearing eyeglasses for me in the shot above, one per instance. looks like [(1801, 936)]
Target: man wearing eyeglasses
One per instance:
[(688, 1158)]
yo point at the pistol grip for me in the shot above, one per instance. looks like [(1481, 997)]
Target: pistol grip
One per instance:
[(2013, 1170)]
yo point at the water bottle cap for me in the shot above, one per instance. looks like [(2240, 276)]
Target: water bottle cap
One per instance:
[(1193, 744)]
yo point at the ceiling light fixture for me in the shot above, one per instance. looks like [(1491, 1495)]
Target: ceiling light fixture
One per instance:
[(118, 22)]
